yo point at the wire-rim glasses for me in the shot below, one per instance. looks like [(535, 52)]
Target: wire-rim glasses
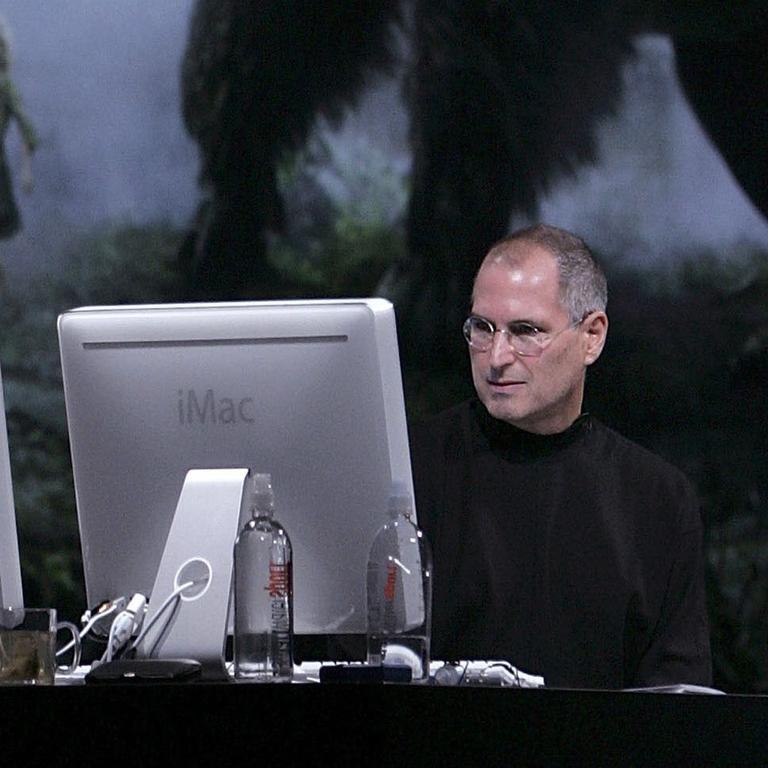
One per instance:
[(525, 339)]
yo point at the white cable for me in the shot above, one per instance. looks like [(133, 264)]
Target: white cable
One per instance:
[(175, 595), (126, 623), (107, 655), (95, 619), (101, 613)]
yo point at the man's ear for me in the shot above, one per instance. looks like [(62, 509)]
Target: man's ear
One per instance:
[(595, 329)]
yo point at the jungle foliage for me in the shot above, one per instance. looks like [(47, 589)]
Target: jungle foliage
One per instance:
[(685, 372)]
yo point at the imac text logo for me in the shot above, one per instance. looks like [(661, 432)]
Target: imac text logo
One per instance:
[(193, 409)]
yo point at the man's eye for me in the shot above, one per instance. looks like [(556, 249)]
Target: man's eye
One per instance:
[(523, 329), (481, 326)]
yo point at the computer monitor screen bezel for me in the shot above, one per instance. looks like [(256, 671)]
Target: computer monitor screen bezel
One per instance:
[(11, 591)]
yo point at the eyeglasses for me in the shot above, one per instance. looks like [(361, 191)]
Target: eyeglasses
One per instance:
[(525, 339)]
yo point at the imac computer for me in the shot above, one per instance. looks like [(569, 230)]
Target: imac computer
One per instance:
[(309, 391), (11, 597)]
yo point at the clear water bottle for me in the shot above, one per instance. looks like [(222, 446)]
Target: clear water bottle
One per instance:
[(263, 574), (399, 591)]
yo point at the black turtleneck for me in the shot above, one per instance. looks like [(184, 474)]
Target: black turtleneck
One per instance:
[(576, 556), (517, 444)]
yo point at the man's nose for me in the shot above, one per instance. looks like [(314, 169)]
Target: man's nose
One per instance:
[(500, 352)]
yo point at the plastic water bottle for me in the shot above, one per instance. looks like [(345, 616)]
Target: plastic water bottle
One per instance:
[(399, 591), (263, 570)]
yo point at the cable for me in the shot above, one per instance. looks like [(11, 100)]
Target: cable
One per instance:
[(107, 656), (104, 610), (101, 613), (175, 595), (451, 673), (505, 673), (126, 623)]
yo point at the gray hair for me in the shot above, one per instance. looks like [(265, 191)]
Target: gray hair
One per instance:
[(583, 287)]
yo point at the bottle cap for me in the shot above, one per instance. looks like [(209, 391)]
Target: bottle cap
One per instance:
[(262, 496), (400, 502)]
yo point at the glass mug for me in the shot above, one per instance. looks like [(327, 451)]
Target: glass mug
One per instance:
[(28, 649)]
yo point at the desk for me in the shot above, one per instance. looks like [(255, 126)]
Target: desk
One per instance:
[(246, 724)]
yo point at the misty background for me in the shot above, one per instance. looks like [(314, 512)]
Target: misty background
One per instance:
[(101, 83)]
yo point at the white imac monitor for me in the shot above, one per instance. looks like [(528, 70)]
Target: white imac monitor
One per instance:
[(310, 391), (11, 597)]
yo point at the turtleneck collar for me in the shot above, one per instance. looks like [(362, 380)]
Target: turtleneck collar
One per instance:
[(517, 444)]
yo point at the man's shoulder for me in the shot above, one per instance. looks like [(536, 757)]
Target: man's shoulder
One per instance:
[(621, 448), (637, 466)]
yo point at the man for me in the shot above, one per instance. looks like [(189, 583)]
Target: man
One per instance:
[(559, 545)]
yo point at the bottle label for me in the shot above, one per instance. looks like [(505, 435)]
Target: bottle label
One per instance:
[(279, 589), (391, 583), (279, 580), (390, 590)]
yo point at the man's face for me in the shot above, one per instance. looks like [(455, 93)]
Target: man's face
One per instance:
[(538, 394)]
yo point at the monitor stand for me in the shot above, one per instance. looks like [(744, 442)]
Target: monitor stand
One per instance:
[(199, 548)]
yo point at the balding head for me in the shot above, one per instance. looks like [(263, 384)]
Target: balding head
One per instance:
[(583, 287)]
